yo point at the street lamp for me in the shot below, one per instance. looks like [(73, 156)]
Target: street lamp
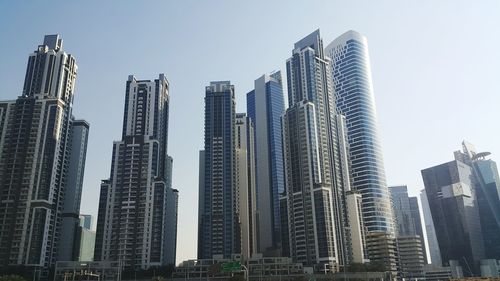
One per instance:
[(245, 272)]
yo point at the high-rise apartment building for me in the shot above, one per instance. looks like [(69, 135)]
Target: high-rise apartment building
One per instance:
[(245, 185), (265, 106), (353, 88), (316, 171), (452, 201), (133, 201), (218, 228), (42, 155)]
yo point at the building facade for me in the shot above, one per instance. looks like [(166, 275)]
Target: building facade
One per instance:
[(171, 216), (86, 221), (85, 244), (316, 174), (356, 228), (432, 243), (132, 204), (407, 216), (411, 257), (41, 159), (353, 88), (218, 230), (170, 226), (409, 236), (245, 185), (265, 106), (452, 201), (73, 195), (487, 189), (404, 220), (382, 249)]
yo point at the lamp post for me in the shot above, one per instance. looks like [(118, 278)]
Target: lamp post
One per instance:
[(245, 272)]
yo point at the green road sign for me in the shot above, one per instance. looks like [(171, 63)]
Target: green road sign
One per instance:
[(231, 266)]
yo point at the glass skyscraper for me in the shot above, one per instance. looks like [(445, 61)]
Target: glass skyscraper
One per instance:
[(405, 225), (452, 201), (488, 197), (265, 106), (352, 85), (487, 191)]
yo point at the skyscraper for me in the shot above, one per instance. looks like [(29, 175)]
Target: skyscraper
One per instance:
[(245, 185), (433, 246), (487, 190), (405, 225), (409, 240), (352, 85), (73, 194), (218, 233), (42, 154), (406, 212), (452, 200), (315, 174), (265, 106), (132, 205), (170, 225)]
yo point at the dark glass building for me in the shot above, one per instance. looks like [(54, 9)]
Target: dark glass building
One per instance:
[(454, 208), (487, 190)]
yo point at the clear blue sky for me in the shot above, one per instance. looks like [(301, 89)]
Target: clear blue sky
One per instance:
[(435, 68)]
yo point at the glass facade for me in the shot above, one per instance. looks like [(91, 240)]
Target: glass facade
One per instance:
[(450, 194), (405, 225), (265, 106), (353, 90), (488, 197)]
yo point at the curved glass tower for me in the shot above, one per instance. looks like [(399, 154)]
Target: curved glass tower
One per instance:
[(353, 90)]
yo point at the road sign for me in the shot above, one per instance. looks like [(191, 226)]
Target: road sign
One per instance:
[(231, 266)]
